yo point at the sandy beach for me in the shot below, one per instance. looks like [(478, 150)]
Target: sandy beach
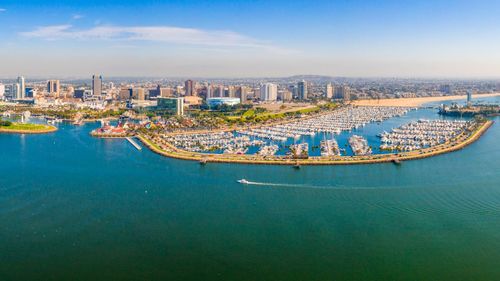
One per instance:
[(415, 102)]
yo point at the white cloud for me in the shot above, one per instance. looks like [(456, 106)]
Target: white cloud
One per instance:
[(167, 34), (3, 10), (77, 16)]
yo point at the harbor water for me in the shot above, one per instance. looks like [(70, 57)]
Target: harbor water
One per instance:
[(74, 207)]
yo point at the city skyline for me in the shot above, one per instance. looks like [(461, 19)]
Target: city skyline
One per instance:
[(442, 39)]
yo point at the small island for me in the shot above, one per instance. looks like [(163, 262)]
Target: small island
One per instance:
[(8, 127)]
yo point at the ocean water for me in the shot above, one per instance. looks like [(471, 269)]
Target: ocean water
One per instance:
[(73, 207)]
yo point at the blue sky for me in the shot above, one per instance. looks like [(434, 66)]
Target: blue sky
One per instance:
[(441, 38)]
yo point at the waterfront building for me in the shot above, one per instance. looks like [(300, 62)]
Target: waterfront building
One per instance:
[(53, 87), (189, 87), (213, 102), (21, 89), (342, 93), (268, 92), (302, 90), (2, 91), (329, 91), (96, 85), (171, 105), (469, 98)]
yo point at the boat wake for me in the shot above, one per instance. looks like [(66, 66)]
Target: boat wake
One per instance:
[(297, 185), (331, 187)]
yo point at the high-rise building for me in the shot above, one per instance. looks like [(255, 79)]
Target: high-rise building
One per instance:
[(469, 98), (285, 95), (242, 93), (342, 92), (230, 92), (171, 105), (16, 91), (446, 89), (125, 94), (138, 94), (189, 87), (96, 85), (166, 92), (268, 92), (209, 90), (218, 92), (21, 93), (2, 91), (302, 90), (53, 87), (329, 91)]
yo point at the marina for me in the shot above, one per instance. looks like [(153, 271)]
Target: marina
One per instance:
[(285, 136), (422, 134)]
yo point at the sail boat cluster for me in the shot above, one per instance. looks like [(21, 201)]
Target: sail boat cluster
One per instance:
[(268, 138), (422, 134)]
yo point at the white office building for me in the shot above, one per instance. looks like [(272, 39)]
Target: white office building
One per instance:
[(2, 91), (21, 88), (269, 92)]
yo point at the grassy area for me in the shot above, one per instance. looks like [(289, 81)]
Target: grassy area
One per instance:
[(257, 115), (26, 127)]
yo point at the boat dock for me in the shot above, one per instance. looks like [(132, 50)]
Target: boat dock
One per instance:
[(135, 144)]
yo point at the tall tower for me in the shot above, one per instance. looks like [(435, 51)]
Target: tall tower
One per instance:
[(209, 90), (469, 98), (329, 91), (268, 92), (53, 87), (189, 86), (21, 94), (96, 85), (302, 90)]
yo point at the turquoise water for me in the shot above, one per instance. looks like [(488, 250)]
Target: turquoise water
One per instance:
[(74, 207)]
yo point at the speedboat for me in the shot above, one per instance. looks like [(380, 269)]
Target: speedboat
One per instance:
[(243, 181)]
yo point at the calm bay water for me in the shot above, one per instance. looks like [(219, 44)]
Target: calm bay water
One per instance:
[(74, 207)]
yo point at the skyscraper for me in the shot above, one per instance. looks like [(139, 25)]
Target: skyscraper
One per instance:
[(21, 94), (53, 87), (242, 93), (209, 91), (302, 90), (268, 92), (16, 89), (189, 87), (329, 91), (96, 85), (2, 91), (342, 92)]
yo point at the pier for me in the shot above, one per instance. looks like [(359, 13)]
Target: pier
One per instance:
[(135, 144)]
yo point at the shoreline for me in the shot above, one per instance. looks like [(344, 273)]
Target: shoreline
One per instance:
[(416, 102), (462, 141), (51, 129)]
